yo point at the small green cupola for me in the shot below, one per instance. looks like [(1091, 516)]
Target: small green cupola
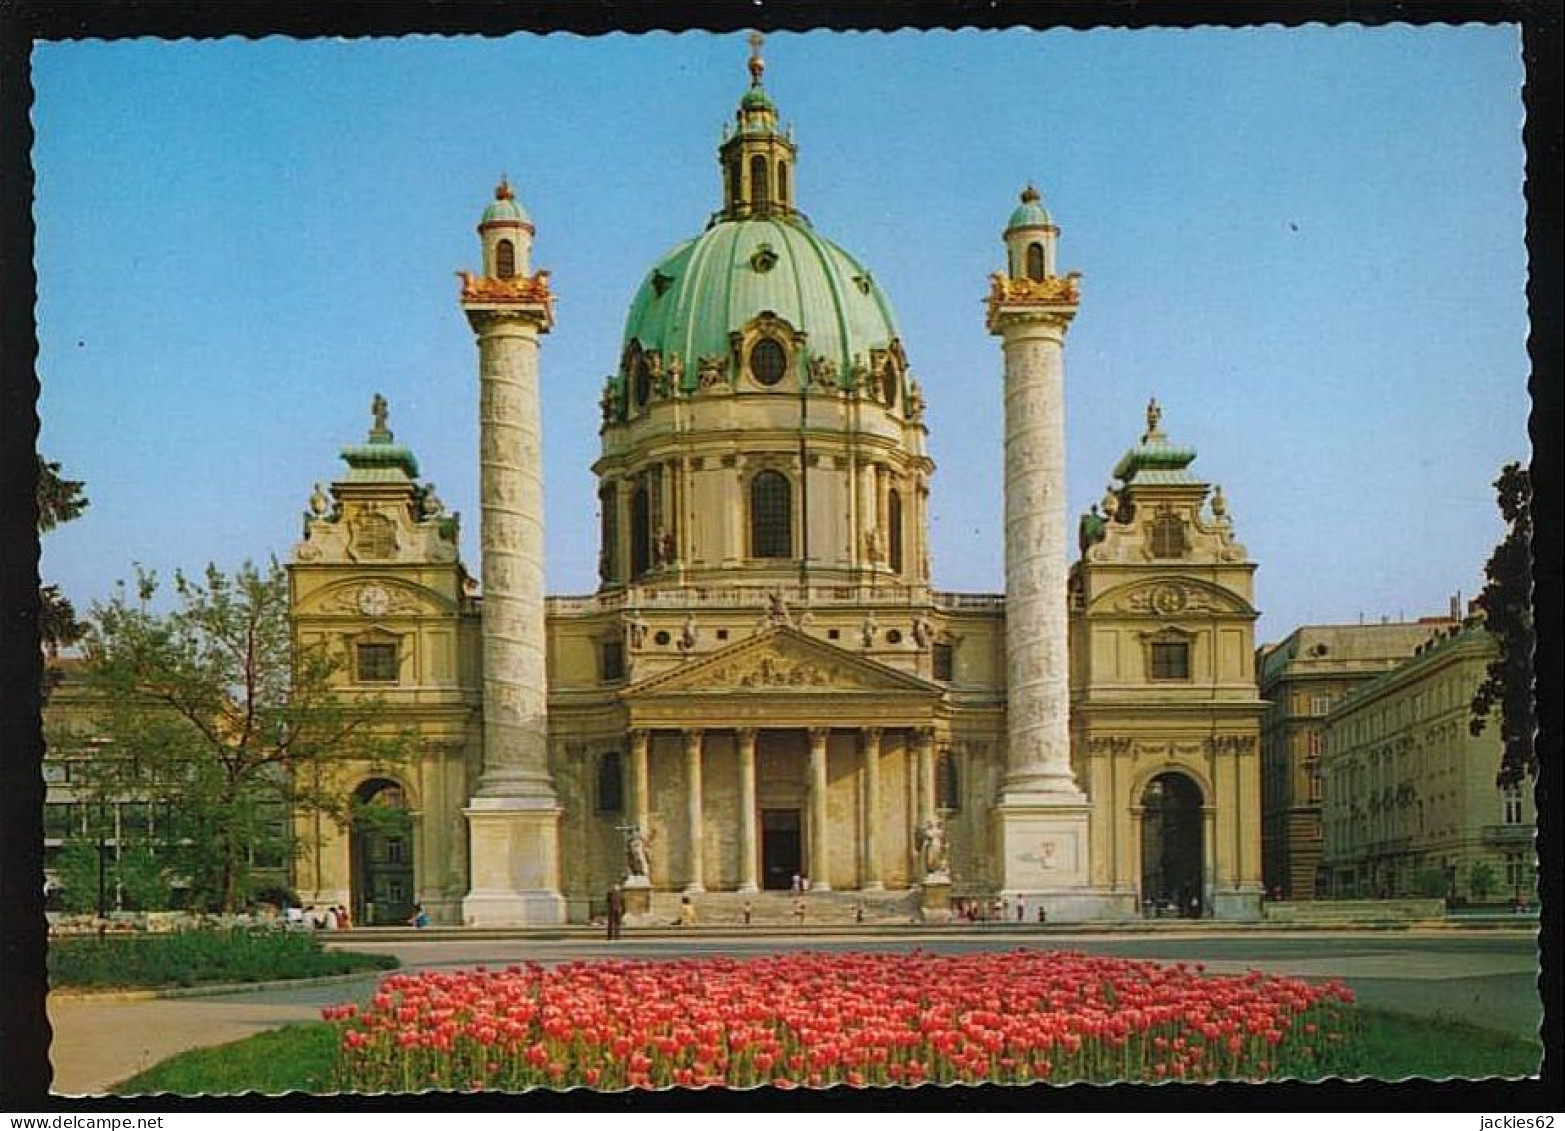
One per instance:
[(379, 459), (756, 156), (1031, 239), (1154, 460)]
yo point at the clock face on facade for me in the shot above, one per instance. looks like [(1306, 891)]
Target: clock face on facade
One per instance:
[(374, 600)]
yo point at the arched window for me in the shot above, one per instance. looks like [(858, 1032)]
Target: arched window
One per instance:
[(782, 183), (505, 259), (894, 529), (611, 783), (760, 175), (735, 188), (768, 361), (1035, 261), (640, 379), (640, 531), (771, 516), (948, 782)]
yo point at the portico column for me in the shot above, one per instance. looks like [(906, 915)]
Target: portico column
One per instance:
[(869, 740), (924, 748), (747, 853), (640, 801), (819, 841), (695, 885)]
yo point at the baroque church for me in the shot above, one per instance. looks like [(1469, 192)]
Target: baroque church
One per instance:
[(766, 693)]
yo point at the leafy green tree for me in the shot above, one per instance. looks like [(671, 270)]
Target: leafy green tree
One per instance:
[(59, 500), (1506, 602), (212, 709), (1480, 880)]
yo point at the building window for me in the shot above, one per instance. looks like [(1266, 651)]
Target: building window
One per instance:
[(1171, 659), (942, 655), (613, 657), (771, 516), (1168, 536), (376, 662), (894, 529), (608, 527), (640, 531), (1320, 704), (611, 783), (760, 190), (640, 379), (1513, 805), (948, 792), (768, 361), (782, 183), (1035, 261), (505, 259), (396, 850), (59, 820)]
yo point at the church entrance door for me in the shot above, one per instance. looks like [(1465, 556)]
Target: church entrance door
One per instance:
[(1171, 846), (780, 859), (380, 854)]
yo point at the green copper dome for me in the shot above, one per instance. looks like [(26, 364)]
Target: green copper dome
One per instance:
[(714, 285), (1030, 213)]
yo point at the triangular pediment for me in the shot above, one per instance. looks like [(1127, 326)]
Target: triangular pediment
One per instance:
[(782, 661)]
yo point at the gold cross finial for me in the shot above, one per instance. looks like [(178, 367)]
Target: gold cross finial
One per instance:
[(757, 64)]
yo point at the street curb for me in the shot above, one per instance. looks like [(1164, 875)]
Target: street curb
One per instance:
[(213, 989)]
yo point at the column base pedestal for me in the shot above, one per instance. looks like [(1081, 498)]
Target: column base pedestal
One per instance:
[(1241, 905), (515, 853), (934, 899), (638, 902), (1045, 856)]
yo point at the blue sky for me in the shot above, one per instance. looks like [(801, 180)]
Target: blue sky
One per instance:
[(1308, 243)]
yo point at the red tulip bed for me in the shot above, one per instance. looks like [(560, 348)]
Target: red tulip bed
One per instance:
[(815, 1020)]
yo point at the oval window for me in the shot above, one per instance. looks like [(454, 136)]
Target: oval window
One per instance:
[(768, 361)]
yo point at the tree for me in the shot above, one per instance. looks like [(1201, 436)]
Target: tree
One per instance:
[(1506, 602), (1480, 880), (59, 500), (214, 710)]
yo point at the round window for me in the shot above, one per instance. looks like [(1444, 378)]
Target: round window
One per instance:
[(768, 361), (893, 637), (661, 639)]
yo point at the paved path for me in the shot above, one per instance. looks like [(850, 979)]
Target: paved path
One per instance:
[(1488, 978)]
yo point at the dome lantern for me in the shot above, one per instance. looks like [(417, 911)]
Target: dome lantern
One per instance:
[(757, 158)]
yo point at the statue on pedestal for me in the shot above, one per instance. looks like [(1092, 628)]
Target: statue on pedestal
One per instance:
[(638, 865), (934, 849)]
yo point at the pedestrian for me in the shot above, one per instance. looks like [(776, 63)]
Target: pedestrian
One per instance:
[(332, 922), (1003, 912), (858, 912), (798, 910), (419, 918), (687, 912), (746, 912), (1021, 909), (344, 920), (1042, 918), (616, 912), (798, 883)]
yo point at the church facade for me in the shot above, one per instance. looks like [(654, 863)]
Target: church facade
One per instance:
[(765, 692)]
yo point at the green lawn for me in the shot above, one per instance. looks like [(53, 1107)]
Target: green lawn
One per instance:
[(188, 958), (299, 1058)]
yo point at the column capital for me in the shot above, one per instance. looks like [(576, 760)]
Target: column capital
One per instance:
[(924, 738), (871, 736), (693, 736), (639, 736), (819, 735), (746, 735)]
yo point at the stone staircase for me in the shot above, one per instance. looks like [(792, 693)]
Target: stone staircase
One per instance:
[(776, 908)]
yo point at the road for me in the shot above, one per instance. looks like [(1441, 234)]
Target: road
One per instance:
[(1485, 977)]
